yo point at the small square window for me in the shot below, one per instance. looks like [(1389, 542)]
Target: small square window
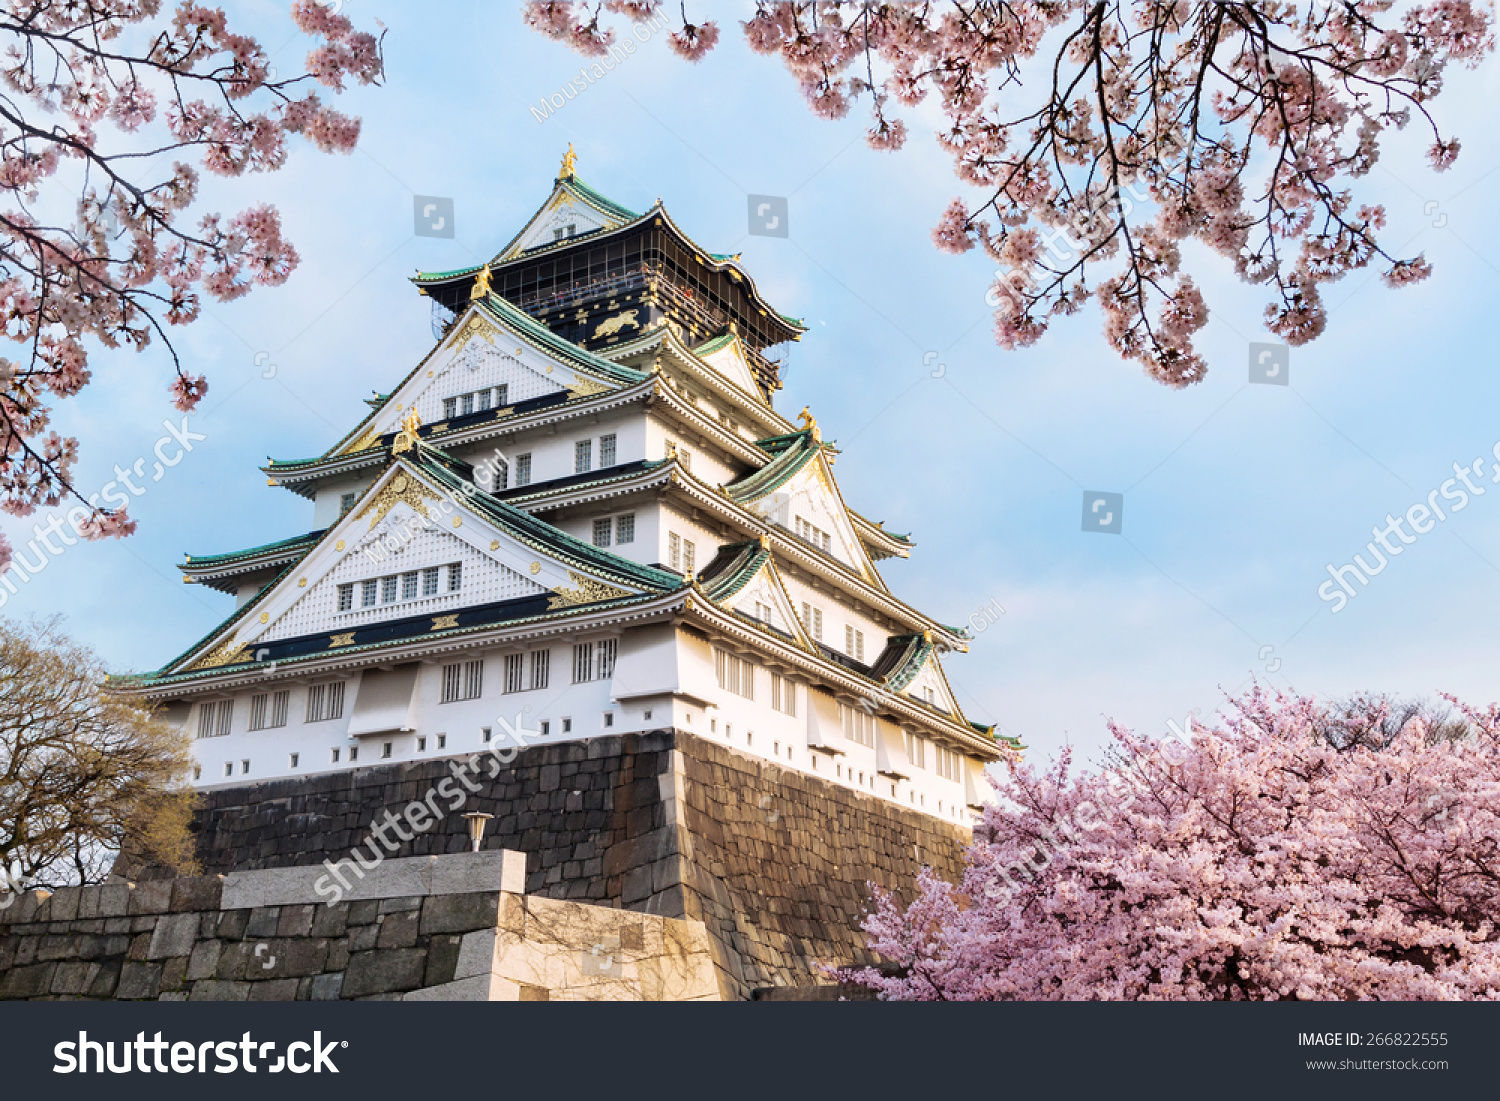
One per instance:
[(333, 755), (484, 734), (646, 715), (607, 450), (353, 753), (546, 727), (523, 469), (583, 456), (602, 532), (228, 768), (346, 597), (385, 749), (421, 745), (567, 726), (346, 502), (625, 528), (609, 719), (442, 741), (293, 759), (244, 768)]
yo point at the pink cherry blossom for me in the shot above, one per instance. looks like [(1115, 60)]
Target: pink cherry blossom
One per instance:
[(1290, 851), (135, 262), (1165, 105)]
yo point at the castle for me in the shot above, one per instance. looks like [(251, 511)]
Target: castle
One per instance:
[(579, 515)]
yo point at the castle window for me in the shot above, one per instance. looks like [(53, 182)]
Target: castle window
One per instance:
[(245, 767), (947, 763), (346, 503), (388, 589), (455, 576), (812, 619), (463, 681), (605, 653), (541, 667), (502, 394), (567, 727), (514, 671), (854, 643), (386, 748), (268, 711), (325, 701), (625, 528), (430, 581), (450, 408), (735, 673), (466, 403), (783, 695), (544, 728), (674, 551), (346, 597), (601, 532), (228, 768), (523, 469), (409, 586), (293, 759), (333, 755), (916, 750), (353, 753), (583, 456), (367, 595), (607, 450), (421, 744), (483, 399), (583, 662), (688, 556), (214, 718), (858, 726)]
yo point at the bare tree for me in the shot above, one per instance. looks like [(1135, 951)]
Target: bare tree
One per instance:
[(84, 772)]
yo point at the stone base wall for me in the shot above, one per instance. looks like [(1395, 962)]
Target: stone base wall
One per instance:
[(776, 863), (450, 928)]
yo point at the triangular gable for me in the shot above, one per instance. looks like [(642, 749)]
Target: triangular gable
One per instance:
[(726, 355), (751, 585), (481, 353), (808, 504), (572, 210), (408, 521), (929, 685)]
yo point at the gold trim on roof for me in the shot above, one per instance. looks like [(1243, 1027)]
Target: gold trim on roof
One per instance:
[(406, 439), (400, 488), (227, 654), (589, 590)]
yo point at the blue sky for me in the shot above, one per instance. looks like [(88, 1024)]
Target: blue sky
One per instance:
[(1236, 495)]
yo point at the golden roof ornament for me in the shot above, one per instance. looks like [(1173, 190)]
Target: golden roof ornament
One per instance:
[(569, 164), (406, 439), (810, 424), (481, 288)]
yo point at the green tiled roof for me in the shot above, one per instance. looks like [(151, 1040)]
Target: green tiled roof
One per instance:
[(609, 206), (798, 450), (732, 569), (709, 347), (230, 556)]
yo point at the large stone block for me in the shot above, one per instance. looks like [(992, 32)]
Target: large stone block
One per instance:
[(384, 972), (175, 935), (459, 913), (139, 982)]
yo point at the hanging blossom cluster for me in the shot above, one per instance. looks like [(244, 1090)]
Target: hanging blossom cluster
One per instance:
[(72, 93), (1293, 852), (1152, 123)]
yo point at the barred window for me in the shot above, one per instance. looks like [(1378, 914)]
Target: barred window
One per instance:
[(346, 596), (367, 596), (466, 403), (601, 532), (947, 763), (346, 502), (583, 661), (541, 662), (514, 670), (430, 581), (388, 589), (916, 750), (502, 394), (455, 576), (854, 643), (523, 469), (409, 586), (784, 695), (450, 408), (674, 551), (858, 725), (268, 710), (607, 450), (625, 528), (485, 398), (812, 619), (736, 674), (325, 701), (463, 681), (688, 556), (214, 718), (605, 655), (583, 456)]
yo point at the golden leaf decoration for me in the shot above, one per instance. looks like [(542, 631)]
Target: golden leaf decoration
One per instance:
[(587, 590)]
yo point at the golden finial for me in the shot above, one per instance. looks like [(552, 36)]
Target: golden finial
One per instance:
[(406, 439), (570, 162), (810, 424), (481, 287)]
